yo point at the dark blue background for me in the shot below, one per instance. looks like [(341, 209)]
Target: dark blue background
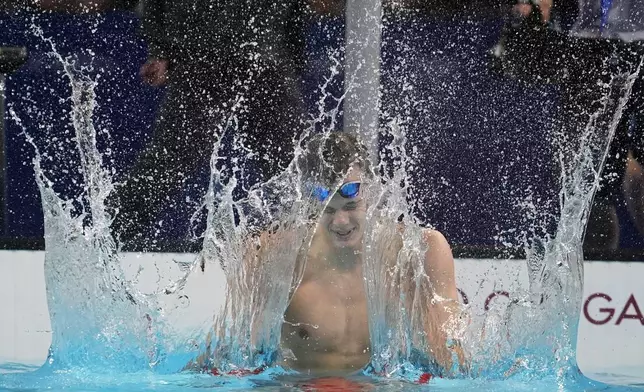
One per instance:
[(481, 138)]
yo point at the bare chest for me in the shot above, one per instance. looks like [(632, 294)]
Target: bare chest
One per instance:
[(328, 318)]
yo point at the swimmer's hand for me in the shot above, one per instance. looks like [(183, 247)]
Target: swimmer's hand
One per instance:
[(525, 9), (445, 345), (154, 72)]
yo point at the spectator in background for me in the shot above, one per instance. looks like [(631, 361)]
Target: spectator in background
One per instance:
[(610, 33), (622, 21), (227, 65)]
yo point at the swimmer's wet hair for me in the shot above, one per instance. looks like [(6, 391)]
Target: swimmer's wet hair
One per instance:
[(327, 157)]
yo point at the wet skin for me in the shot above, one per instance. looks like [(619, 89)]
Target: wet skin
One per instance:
[(326, 323)]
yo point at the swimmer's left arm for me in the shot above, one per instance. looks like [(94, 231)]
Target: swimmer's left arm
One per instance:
[(443, 310)]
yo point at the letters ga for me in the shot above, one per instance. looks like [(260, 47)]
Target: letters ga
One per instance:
[(630, 310)]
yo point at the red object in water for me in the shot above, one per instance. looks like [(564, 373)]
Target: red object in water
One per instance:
[(334, 384), (425, 378), (328, 384)]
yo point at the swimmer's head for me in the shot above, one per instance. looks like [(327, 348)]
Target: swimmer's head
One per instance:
[(328, 158), (338, 162)]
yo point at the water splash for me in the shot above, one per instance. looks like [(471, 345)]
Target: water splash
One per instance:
[(97, 318), (552, 304), (503, 347), (247, 330), (103, 321), (256, 242)]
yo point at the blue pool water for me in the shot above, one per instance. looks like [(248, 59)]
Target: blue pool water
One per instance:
[(23, 377)]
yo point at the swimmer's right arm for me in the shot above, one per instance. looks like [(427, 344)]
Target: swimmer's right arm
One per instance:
[(257, 251), (255, 247), (272, 247)]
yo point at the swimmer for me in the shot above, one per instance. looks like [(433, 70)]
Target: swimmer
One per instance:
[(331, 295), (326, 323)]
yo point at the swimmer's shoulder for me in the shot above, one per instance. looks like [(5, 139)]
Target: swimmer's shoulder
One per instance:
[(439, 261), (433, 238), (431, 235)]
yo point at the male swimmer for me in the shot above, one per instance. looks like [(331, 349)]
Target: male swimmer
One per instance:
[(331, 295), (326, 323)]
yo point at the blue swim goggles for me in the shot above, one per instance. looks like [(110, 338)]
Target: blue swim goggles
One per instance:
[(348, 191)]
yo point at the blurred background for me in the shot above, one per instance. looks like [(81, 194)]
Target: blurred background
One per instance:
[(481, 138)]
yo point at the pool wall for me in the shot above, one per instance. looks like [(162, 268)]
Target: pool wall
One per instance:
[(611, 334)]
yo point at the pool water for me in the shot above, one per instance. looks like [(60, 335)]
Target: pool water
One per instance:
[(24, 377)]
